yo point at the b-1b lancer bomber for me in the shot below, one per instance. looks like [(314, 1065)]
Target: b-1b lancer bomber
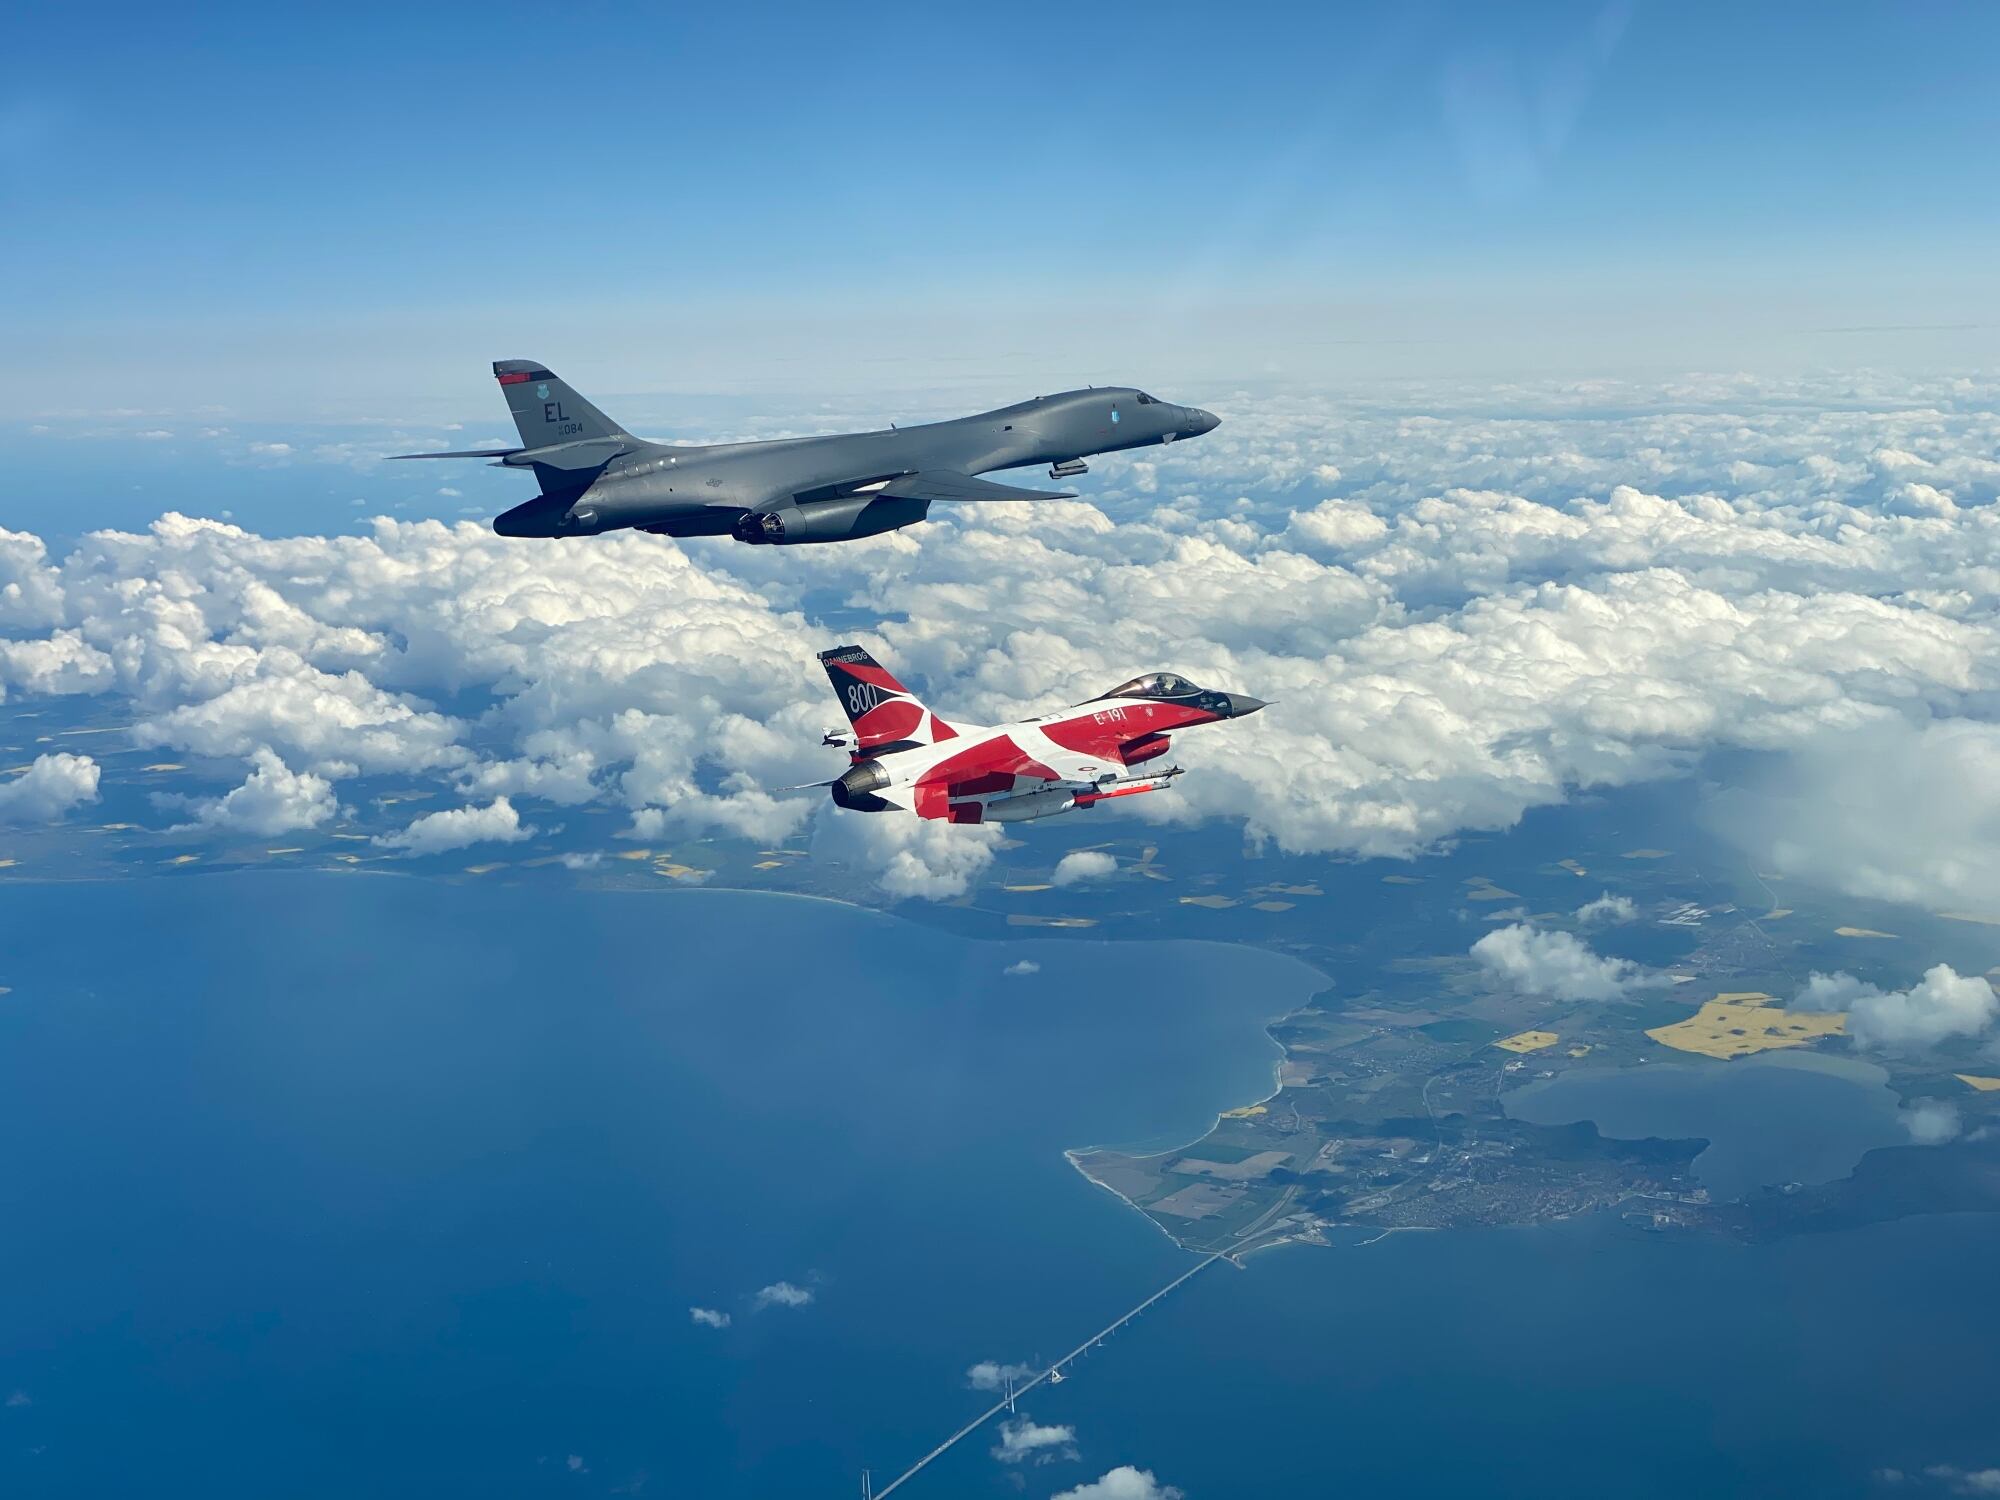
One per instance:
[(905, 758), (596, 477)]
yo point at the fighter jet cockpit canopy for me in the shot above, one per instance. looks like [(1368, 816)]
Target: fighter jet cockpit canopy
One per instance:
[(1155, 685)]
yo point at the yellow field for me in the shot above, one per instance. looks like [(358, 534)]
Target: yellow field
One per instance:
[(1735, 1025), (1247, 1111), (1527, 1041), (1984, 1085)]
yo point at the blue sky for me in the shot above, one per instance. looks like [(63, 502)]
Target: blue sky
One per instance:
[(779, 192)]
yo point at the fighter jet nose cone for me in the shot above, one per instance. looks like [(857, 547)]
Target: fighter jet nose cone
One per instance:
[(1240, 705)]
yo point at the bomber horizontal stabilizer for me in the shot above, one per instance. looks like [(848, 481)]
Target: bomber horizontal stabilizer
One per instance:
[(950, 484), (461, 453), (584, 453)]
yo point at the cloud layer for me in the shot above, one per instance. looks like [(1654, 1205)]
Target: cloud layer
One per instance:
[(1466, 605)]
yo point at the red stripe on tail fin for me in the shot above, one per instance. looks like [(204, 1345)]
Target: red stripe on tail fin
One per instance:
[(884, 713)]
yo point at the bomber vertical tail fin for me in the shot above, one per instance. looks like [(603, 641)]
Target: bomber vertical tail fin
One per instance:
[(546, 410), (886, 715)]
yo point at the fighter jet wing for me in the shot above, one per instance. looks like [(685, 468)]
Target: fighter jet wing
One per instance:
[(949, 484)]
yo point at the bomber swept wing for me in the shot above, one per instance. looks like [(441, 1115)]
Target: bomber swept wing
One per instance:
[(950, 484)]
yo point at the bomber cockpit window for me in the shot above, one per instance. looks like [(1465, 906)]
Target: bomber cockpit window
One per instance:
[(1146, 400), (1154, 685)]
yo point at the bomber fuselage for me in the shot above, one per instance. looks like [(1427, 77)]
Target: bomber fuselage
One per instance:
[(824, 484)]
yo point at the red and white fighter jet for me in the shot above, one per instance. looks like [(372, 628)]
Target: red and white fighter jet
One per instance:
[(905, 758)]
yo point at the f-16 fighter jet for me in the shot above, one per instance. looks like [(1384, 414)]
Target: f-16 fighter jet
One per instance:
[(595, 476), (906, 758)]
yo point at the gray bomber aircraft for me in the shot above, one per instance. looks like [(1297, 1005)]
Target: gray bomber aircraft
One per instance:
[(595, 476)]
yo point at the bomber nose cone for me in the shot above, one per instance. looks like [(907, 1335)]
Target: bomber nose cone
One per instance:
[(1200, 421), (1240, 705)]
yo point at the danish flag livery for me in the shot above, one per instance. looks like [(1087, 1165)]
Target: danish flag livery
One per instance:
[(905, 758)]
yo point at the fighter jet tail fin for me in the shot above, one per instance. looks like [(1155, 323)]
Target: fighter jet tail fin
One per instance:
[(886, 715), (546, 410)]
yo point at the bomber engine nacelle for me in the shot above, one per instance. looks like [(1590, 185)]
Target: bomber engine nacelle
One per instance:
[(841, 520), (1144, 748)]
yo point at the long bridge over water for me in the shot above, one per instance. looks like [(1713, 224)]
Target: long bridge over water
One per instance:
[(1052, 1373)]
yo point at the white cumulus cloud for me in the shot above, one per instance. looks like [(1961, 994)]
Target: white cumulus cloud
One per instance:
[(273, 799), (1123, 1483), (995, 1375), (782, 1294), (1965, 1481), (708, 1317), (1889, 810), (50, 787), (1943, 1004), (1081, 865), (1932, 1122), (1556, 964), (459, 827), (1607, 908), (1024, 1440), (928, 859)]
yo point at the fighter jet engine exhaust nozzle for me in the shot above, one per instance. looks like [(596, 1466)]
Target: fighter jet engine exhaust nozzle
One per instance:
[(855, 790)]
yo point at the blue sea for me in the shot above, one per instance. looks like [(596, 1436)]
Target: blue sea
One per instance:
[(323, 1185)]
